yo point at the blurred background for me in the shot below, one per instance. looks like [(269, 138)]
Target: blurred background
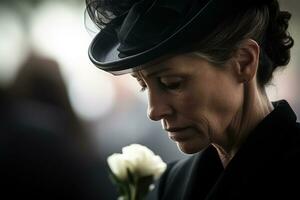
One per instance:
[(43, 55)]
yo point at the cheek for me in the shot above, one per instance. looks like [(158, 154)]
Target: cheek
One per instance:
[(225, 97), (193, 109), (212, 104), (223, 102)]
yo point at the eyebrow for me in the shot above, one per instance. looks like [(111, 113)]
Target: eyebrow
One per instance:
[(161, 70), (135, 74), (154, 73)]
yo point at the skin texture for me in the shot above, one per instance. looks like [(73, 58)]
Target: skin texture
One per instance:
[(200, 103)]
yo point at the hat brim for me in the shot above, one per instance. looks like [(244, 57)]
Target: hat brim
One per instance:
[(103, 49)]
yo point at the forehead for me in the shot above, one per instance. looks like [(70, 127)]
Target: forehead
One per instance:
[(175, 63)]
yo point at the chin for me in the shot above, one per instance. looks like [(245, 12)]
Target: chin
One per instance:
[(190, 148)]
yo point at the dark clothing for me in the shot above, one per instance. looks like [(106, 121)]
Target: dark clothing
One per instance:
[(265, 167)]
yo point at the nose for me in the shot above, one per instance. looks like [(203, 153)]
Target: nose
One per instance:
[(158, 107)]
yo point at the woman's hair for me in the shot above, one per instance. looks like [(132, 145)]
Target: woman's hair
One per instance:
[(265, 24)]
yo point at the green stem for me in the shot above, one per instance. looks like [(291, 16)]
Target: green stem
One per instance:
[(133, 192)]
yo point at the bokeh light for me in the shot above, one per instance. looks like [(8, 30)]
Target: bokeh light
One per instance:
[(58, 31), (92, 94), (13, 44)]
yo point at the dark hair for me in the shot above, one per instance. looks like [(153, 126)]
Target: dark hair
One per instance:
[(264, 23)]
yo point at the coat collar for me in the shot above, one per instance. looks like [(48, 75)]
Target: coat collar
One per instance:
[(204, 173)]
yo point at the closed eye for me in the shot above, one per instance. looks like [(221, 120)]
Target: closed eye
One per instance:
[(171, 83), (172, 86)]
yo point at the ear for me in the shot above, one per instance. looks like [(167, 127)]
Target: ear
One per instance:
[(247, 59)]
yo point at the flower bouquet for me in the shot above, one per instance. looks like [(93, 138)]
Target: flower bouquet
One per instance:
[(134, 171)]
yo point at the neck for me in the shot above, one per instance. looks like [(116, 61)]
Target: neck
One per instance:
[(255, 107)]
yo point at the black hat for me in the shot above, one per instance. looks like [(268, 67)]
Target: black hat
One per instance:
[(150, 29)]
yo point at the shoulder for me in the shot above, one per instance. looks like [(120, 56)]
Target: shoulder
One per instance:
[(291, 150), (292, 139), (286, 169), (287, 162)]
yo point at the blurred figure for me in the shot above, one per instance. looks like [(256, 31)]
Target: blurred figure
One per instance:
[(39, 81), (40, 153)]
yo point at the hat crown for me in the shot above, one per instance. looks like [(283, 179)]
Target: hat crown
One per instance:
[(143, 30), (148, 22)]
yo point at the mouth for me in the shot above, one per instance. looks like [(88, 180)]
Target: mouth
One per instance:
[(178, 134)]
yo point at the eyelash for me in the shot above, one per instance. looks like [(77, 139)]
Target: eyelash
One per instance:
[(143, 85), (143, 88), (172, 86)]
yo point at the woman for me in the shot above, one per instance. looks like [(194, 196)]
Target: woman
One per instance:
[(205, 65)]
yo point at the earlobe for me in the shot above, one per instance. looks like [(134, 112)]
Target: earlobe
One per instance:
[(247, 59)]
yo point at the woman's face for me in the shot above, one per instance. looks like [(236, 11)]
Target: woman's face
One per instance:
[(195, 100)]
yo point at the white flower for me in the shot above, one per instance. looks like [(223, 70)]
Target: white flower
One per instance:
[(140, 160), (143, 160), (119, 165)]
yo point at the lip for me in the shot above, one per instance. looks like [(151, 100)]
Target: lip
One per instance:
[(178, 134), (176, 129)]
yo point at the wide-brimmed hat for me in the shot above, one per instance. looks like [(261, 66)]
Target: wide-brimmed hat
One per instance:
[(150, 29)]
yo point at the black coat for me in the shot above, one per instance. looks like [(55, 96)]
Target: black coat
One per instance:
[(265, 167)]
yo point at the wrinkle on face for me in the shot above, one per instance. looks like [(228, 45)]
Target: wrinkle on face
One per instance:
[(210, 101)]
